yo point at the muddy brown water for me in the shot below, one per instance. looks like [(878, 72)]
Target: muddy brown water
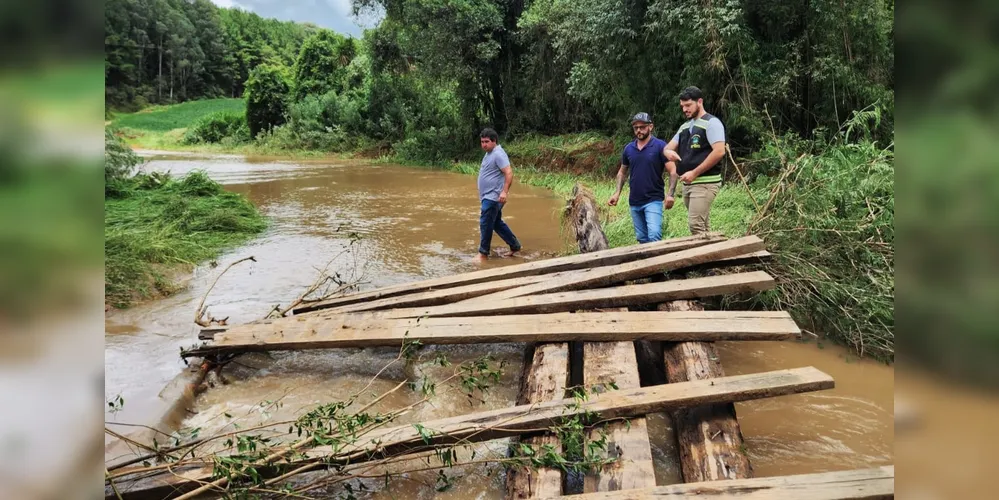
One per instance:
[(414, 224)]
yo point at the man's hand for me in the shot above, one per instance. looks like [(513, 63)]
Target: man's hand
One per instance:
[(502, 197), (613, 199), (668, 204), (688, 177), (672, 156)]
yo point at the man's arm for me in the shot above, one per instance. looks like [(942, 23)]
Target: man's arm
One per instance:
[(671, 148), (622, 174), (673, 177), (717, 153), (507, 182)]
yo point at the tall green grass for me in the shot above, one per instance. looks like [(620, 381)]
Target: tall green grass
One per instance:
[(828, 217), (153, 223), (175, 116)]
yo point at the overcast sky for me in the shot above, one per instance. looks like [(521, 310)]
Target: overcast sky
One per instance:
[(332, 14)]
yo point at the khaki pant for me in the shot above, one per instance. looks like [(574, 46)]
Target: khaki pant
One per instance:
[(697, 198)]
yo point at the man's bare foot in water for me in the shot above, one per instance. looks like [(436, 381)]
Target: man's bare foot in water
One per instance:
[(480, 258)]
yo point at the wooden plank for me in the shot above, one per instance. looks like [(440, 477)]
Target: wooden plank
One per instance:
[(581, 261), (628, 295), (435, 297), (546, 377), (510, 421), (864, 484), (628, 443), (619, 296), (609, 275), (709, 437), (359, 331)]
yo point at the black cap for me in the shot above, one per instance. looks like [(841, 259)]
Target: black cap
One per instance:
[(641, 117)]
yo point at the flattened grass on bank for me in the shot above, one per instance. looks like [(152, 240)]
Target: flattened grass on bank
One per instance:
[(154, 223)]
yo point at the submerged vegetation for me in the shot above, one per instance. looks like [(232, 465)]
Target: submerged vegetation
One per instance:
[(154, 223)]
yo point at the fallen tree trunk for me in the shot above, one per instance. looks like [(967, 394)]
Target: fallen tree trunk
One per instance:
[(709, 437), (546, 378), (611, 363)]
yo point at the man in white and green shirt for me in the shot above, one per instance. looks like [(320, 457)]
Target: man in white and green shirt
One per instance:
[(700, 144)]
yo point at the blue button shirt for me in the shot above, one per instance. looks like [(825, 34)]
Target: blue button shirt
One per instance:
[(646, 167), (491, 176)]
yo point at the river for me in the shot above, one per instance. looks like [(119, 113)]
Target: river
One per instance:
[(411, 224)]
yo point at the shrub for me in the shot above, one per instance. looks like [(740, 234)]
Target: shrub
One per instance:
[(829, 220), (434, 145), (216, 127), (119, 160), (267, 92)]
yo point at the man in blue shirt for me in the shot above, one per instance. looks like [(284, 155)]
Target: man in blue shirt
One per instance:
[(646, 157), (495, 178)]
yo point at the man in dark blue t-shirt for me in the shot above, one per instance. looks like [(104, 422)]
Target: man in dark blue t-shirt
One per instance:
[(647, 158)]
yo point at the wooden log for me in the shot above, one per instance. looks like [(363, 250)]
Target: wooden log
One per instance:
[(360, 331), (546, 377), (610, 275), (709, 437), (505, 422), (628, 443), (611, 362), (865, 484), (583, 261)]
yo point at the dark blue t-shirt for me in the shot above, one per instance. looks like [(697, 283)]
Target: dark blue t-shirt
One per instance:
[(646, 168)]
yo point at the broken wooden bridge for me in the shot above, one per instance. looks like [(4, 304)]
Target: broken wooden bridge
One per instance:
[(628, 316)]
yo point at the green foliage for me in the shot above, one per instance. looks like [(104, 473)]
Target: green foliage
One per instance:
[(322, 64), (163, 51), (829, 220), (216, 127), (119, 160), (267, 93), (328, 122), (434, 145), (165, 118), (160, 222)]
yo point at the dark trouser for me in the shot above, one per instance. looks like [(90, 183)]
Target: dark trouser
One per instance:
[(491, 219)]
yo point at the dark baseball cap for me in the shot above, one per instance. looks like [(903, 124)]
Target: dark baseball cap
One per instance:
[(641, 117)]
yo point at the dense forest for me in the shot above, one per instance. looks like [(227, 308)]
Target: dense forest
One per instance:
[(435, 70), (162, 51)]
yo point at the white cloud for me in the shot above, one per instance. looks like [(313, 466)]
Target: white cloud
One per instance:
[(341, 6), (333, 14)]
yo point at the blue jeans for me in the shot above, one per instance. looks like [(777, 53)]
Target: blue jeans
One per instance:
[(648, 220), (491, 219)]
